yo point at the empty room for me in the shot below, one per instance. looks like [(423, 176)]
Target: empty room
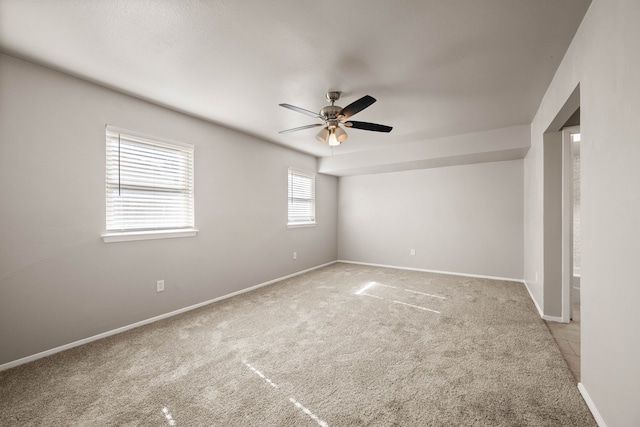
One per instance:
[(360, 213)]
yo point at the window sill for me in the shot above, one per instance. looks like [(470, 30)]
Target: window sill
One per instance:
[(129, 236), (301, 224)]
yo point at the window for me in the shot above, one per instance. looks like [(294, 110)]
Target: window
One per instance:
[(149, 188), (302, 198)]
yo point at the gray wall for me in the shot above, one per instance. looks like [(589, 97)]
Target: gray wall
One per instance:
[(463, 219), (60, 283), (604, 59)]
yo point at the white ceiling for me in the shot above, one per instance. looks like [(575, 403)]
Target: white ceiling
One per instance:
[(437, 67)]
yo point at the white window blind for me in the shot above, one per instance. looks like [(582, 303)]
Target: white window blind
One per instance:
[(302, 198), (149, 184)]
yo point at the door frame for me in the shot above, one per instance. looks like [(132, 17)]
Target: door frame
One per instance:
[(552, 288), (567, 222)]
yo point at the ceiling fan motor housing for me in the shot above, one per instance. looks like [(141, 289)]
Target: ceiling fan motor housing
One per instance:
[(330, 113)]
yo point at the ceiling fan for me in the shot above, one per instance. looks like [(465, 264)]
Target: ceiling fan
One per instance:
[(333, 116)]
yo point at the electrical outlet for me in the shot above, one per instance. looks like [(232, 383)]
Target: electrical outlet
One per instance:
[(413, 252), (160, 286), (295, 255)]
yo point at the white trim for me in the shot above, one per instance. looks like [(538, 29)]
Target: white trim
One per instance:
[(591, 405), (480, 276), (49, 352), (567, 221), (557, 319), (301, 224), (128, 236), (149, 139), (302, 172), (540, 312)]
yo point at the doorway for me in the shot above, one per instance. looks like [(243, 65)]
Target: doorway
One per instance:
[(570, 221), (557, 233), (567, 333), (561, 218)]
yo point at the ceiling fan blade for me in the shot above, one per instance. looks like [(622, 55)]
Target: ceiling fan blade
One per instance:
[(301, 128), (301, 110), (357, 106), (368, 126)]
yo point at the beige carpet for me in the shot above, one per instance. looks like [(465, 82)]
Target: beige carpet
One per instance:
[(344, 345)]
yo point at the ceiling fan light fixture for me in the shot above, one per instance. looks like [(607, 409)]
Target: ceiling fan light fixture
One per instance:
[(323, 135), (336, 136), (332, 141)]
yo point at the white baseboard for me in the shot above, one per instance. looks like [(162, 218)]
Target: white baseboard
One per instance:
[(542, 315), (508, 279), (46, 353), (526, 285), (591, 405), (540, 312)]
